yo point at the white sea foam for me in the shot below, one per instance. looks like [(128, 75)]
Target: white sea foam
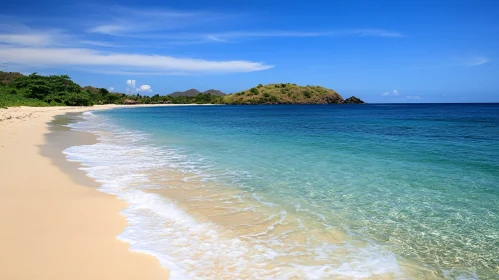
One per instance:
[(192, 249), (88, 114)]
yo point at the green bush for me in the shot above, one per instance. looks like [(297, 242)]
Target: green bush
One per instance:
[(273, 99), (254, 91), (78, 99), (12, 98), (40, 87), (55, 90)]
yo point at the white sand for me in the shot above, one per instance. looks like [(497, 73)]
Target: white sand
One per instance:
[(51, 227)]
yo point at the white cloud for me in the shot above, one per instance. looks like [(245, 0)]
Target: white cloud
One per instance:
[(52, 57), (131, 83), (391, 93), (111, 89), (144, 88)]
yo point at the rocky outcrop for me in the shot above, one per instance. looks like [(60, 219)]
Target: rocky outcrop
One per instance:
[(353, 100)]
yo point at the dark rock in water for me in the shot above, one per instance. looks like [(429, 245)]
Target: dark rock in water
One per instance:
[(353, 100)]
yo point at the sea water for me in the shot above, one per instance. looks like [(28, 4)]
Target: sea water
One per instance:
[(305, 192)]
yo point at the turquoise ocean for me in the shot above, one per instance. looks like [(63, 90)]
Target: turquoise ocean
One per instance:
[(377, 191)]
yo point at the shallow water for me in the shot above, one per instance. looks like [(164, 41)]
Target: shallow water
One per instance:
[(305, 192)]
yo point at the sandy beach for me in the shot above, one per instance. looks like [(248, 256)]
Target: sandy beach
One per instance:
[(56, 226)]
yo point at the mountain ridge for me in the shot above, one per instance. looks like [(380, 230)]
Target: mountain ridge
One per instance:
[(193, 92)]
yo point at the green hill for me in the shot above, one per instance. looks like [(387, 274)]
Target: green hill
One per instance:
[(215, 92), (285, 94), (190, 92)]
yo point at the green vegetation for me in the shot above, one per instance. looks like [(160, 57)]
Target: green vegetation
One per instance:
[(17, 89), (37, 90), (10, 99), (285, 94), (59, 90)]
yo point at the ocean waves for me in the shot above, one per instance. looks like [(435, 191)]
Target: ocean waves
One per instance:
[(202, 222)]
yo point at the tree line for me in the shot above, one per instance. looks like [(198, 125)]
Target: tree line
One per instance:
[(59, 90)]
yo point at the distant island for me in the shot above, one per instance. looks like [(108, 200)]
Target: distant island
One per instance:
[(285, 94), (17, 89)]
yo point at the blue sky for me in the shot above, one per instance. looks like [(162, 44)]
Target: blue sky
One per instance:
[(380, 51)]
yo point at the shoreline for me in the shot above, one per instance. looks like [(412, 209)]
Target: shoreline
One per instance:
[(56, 224)]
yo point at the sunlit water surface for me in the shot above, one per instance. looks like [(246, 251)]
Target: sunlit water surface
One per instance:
[(305, 192)]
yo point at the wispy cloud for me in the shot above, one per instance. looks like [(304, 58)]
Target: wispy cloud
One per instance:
[(229, 36), (453, 62), (234, 36), (373, 33), (109, 24), (226, 37), (414, 97), (476, 61), (53, 57), (81, 44), (33, 38), (99, 43), (108, 29), (391, 93), (215, 38), (25, 39), (137, 72), (46, 38), (123, 21)]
